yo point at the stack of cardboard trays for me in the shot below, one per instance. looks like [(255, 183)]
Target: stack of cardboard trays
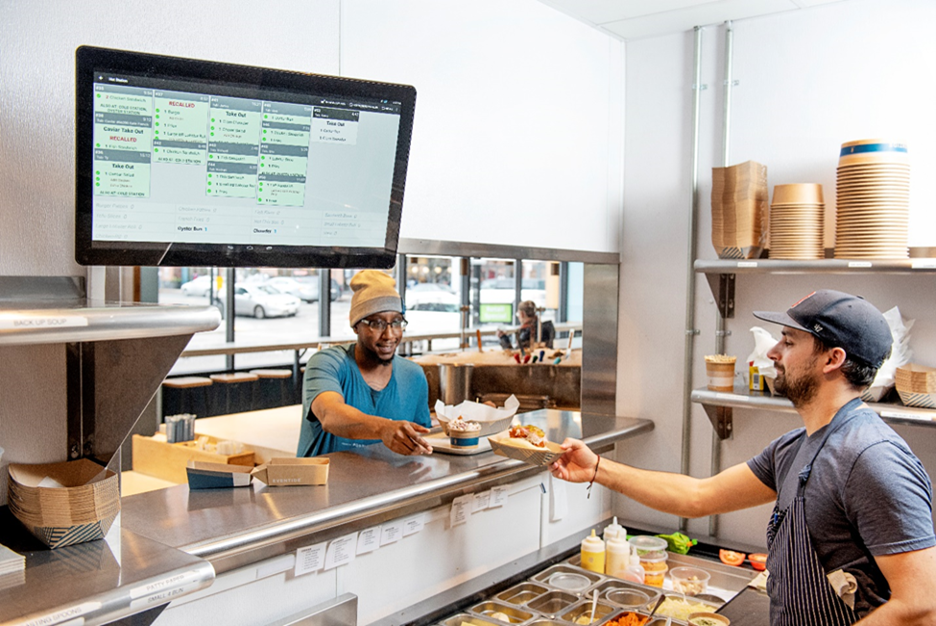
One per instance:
[(740, 204), (63, 504)]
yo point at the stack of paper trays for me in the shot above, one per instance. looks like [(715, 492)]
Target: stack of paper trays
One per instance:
[(11, 561)]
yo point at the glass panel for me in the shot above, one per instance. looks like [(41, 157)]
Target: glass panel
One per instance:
[(433, 300)]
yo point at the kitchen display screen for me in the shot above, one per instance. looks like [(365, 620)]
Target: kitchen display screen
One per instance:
[(185, 162)]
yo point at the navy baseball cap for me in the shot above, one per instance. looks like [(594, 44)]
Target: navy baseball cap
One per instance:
[(840, 320)]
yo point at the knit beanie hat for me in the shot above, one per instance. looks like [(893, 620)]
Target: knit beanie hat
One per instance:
[(374, 292)]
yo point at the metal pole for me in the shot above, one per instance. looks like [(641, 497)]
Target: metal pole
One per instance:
[(691, 330), (720, 332)]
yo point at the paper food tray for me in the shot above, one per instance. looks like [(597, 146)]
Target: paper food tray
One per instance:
[(492, 420), (81, 507), (502, 445)]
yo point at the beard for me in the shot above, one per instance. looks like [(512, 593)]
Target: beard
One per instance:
[(800, 389)]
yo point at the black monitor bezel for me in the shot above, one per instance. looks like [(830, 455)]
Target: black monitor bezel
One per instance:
[(89, 60)]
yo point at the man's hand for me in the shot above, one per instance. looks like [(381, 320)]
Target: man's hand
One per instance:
[(404, 437), (577, 463)]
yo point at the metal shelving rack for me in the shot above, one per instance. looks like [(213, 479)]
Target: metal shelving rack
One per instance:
[(721, 278)]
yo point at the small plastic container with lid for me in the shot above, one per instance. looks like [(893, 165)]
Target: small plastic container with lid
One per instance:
[(593, 553), (654, 565)]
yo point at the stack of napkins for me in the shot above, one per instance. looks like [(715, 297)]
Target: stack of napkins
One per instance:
[(11, 565)]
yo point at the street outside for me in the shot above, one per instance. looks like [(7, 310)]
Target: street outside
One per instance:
[(302, 328)]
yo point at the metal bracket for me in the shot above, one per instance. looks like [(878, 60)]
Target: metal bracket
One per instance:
[(721, 418), (723, 288)]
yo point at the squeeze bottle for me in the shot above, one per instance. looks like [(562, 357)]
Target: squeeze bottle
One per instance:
[(614, 530), (593, 553), (618, 556)]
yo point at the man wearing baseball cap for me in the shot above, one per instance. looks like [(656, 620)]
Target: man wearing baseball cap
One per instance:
[(851, 535), (364, 393)]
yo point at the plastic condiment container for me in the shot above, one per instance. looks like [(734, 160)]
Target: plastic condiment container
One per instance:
[(593, 553), (614, 530), (618, 555), (647, 543)]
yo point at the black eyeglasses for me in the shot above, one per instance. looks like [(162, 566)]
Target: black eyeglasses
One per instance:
[(380, 325)]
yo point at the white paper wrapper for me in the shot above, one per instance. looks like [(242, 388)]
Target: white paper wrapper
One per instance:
[(901, 354), (763, 342), (492, 420)]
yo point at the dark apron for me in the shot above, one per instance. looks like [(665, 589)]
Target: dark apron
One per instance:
[(800, 594)]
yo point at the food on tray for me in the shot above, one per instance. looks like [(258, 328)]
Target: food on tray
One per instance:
[(730, 557), (459, 425), (498, 615), (691, 586), (758, 561), (678, 608), (628, 619), (705, 621), (584, 618), (531, 434)]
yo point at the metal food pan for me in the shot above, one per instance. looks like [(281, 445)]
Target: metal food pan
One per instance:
[(547, 622), (522, 594), (545, 576), (553, 603), (514, 614), (602, 612), (464, 619)]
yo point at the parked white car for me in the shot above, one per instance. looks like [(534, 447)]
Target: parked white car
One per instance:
[(261, 301), (199, 286), (307, 291)]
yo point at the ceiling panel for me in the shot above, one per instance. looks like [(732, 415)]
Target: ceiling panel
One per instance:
[(635, 19)]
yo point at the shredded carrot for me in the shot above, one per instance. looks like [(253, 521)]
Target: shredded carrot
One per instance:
[(628, 619)]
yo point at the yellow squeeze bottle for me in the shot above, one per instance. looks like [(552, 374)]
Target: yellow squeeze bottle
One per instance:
[(593, 553)]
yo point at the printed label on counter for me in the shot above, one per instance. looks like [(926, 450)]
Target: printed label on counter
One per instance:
[(26, 322), (179, 580), (390, 533), (310, 559), (413, 525), (341, 551), (461, 508), (368, 540), (923, 264), (481, 501), (499, 496), (859, 264), (69, 616)]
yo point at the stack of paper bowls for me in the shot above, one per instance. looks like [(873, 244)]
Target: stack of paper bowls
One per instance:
[(796, 222), (916, 385), (873, 200)]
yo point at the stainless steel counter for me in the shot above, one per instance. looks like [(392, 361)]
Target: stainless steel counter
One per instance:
[(236, 527), (94, 582)]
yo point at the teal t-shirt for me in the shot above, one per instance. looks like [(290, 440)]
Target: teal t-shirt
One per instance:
[(406, 397)]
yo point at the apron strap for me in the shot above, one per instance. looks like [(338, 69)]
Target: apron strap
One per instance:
[(832, 427)]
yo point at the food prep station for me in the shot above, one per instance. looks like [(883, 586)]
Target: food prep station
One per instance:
[(562, 595)]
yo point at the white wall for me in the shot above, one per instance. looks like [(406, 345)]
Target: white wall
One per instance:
[(517, 135), (37, 95), (809, 81), (517, 138)]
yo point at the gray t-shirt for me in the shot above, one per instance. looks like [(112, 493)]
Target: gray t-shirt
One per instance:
[(868, 494)]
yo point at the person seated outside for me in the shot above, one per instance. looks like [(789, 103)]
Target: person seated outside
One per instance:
[(529, 321)]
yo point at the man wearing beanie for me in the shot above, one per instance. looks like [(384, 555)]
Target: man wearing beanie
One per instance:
[(363, 393), (851, 535)]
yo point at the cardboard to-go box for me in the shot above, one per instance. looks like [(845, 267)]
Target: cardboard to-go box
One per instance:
[(62, 504), (202, 475), (154, 456), (287, 471)]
